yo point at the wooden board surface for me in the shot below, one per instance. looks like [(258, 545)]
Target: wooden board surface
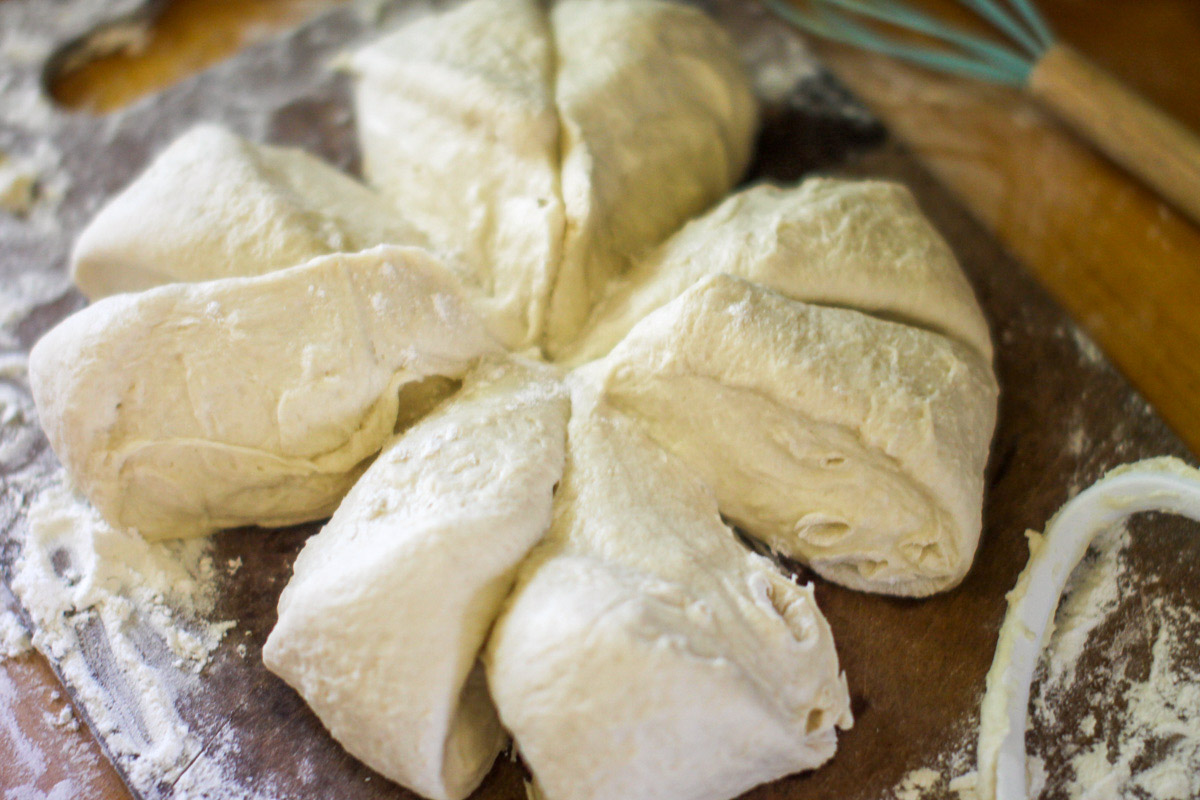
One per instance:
[(915, 668)]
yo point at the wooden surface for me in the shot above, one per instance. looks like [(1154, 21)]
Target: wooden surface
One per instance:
[(1152, 145), (1124, 265)]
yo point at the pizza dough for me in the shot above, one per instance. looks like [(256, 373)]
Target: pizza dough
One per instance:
[(851, 443), (644, 651), (858, 244), (213, 205), (246, 401), (380, 627), (547, 149), (809, 363)]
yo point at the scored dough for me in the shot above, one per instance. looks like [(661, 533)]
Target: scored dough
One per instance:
[(658, 119), (859, 244), (457, 127), (194, 407), (809, 362), (645, 653), (854, 444), (381, 625), (214, 205)]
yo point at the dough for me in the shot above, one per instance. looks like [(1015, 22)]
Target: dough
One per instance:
[(547, 150), (854, 444), (658, 121), (213, 205), (457, 127), (645, 653), (859, 244), (809, 363), (390, 604), (193, 407)]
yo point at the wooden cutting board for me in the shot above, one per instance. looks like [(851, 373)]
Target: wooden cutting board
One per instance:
[(915, 667)]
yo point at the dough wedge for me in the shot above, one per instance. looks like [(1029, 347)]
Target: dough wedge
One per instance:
[(645, 652), (458, 130), (857, 244), (380, 627), (246, 401), (853, 444), (657, 120)]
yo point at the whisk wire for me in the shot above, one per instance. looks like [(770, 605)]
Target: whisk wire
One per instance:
[(995, 14), (857, 22), (903, 16), (1035, 21)]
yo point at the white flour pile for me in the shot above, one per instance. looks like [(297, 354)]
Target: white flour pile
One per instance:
[(108, 603), (14, 639)]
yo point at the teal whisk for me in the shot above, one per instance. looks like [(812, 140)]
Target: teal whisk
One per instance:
[(1026, 54)]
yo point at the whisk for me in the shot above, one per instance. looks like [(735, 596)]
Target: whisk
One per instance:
[(1145, 141)]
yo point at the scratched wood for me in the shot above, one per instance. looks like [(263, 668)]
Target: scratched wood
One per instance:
[(915, 667)]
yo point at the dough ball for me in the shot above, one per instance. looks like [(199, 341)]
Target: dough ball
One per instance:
[(246, 401)]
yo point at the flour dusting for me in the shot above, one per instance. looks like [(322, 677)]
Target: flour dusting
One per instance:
[(1155, 752), (24, 772), (1137, 736), (1089, 351), (1142, 740), (17, 182), (944, 775), (916, 783), (14, 639), (1090, 597), (106, 602), (21, 294)]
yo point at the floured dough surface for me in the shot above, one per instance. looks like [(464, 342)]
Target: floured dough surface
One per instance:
[(194, 407), (858, 244), (380, 627), (214, 205), (854, 444), (657, 123), (458, 129), (549, 146), (645, 652)]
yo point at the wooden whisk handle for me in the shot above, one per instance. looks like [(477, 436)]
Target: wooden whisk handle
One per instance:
[(1123, 125)]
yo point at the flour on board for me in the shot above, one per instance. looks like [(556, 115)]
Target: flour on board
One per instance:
[(81, 581), (14, 639), (1142, 740)]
